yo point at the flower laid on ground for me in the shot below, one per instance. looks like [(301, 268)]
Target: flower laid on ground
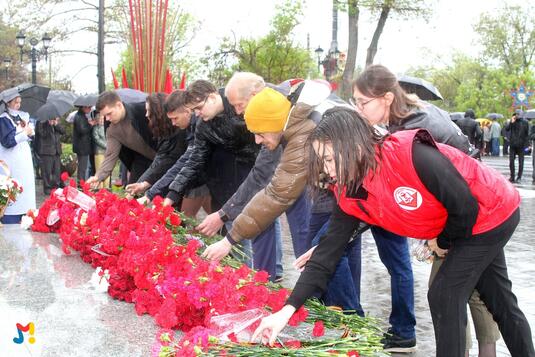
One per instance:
[(9, 190), (152, 259)]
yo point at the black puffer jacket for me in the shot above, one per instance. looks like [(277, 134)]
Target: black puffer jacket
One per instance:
[(169, 151), (470, 127), (48, 138), (223, 143), (82, 135), (519, 131), (438, 123)]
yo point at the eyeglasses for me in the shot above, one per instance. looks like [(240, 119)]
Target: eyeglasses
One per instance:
[(198, 106), (359, 103)]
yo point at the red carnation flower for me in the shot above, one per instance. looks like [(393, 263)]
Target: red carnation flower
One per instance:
[(319, 329), (64, 176)]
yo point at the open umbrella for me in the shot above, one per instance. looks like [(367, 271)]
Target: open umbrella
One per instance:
[(129, 95), (420, 87), (33, 97), (529, 114), (88, 100), (47, 112), (456, 116), (494, 116), (62, 99)]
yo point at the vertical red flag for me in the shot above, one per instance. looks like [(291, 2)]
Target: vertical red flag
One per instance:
[(168, 82), (115, 82), (183, 81), (125, 81)]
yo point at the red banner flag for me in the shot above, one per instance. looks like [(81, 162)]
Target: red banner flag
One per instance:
[(183, 81), (168, 82), (125, 81), (115, 82)]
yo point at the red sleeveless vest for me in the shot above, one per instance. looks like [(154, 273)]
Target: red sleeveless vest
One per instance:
[(399, 202)]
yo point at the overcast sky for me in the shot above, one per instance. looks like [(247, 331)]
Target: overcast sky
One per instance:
[(403, 43)]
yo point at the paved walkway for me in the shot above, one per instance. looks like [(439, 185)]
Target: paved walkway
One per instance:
[(40, 284)]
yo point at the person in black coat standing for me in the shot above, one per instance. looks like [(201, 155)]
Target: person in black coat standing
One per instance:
[(518, 129), (470, 127), (48, 146), (82, 144)]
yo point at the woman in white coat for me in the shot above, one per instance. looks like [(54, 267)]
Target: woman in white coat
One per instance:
[(15, 133)]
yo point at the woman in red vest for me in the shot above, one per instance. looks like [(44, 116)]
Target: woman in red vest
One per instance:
[(412, 186)]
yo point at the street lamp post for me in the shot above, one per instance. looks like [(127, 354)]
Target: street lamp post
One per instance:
[(319, 53), (7, 63), (34, 52)]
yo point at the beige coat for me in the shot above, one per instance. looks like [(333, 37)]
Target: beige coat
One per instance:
[(287, 183)]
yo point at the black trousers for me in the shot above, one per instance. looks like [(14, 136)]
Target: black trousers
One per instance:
[(139, 166), (83, 164), (50, 167), (478, 263), (513, 151)]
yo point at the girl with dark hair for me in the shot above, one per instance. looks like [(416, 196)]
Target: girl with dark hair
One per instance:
[(378, 98), (412, 186), (171, 144)]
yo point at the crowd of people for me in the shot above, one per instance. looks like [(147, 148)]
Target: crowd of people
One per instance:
[(385, 161)]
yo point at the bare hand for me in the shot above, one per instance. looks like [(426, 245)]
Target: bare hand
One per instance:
[(144, 200), (432, 244), (28, 130), (168, 202), (93, 181), (210, 225), (218, 250), (137, 188), (300, 262), (272, 325)]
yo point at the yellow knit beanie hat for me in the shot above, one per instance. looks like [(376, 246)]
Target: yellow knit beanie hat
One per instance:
[(267, 112)]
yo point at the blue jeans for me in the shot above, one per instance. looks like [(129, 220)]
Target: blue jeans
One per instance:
[(341, 290), (298, 216), (278, 236), (495, 146), (394, 253)]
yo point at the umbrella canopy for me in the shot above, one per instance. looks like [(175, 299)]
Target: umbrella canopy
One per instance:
[(47, 112), (494, 116), (129, 95), (483, 121), (33, 97), (529, 114), (456, 116), (88, 100), (420, 87), (63, 100)]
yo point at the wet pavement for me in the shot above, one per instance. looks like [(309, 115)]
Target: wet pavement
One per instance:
[(40, 284)]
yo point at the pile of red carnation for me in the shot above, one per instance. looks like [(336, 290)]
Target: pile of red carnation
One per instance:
[(162, 278)]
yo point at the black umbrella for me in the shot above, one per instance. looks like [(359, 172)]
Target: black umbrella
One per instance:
[(456, 116), (129, 95), (63, 100), (47, 112), (33, 97), (529, 114), (87, 100), (494, 116), (420, 87)]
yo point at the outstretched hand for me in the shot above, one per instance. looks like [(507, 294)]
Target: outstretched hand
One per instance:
[(218, 250), (301, 261), (210, 225), (272, 325)]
